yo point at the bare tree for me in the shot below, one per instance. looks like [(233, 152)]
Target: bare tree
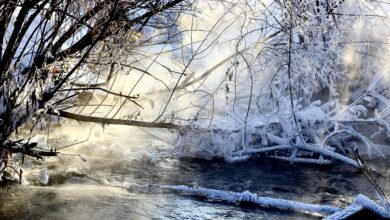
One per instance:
[(47, 45)]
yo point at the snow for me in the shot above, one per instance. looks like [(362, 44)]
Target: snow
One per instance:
[(312, 115)]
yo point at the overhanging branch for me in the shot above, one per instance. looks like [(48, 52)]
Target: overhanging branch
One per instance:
[(112, 121)]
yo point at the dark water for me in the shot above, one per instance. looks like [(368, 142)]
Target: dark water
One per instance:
[(103, 187)]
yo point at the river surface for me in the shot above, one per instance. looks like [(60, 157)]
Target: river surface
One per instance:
[(119, 159)]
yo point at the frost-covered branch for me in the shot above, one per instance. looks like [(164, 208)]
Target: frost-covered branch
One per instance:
[(251, 198)]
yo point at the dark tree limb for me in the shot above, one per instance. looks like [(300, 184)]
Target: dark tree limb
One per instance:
[(112, 121)]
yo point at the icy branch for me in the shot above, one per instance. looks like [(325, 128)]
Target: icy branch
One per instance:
[(247, 197)]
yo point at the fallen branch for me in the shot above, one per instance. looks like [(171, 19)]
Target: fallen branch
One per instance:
[(329, 153), (360, 203), (251, 198), (320, 150)]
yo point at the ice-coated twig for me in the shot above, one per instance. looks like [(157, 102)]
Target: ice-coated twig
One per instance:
[(304, 146), (329, 153)]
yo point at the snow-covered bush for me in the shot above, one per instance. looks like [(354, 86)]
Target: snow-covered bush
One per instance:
[(303, 90)]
